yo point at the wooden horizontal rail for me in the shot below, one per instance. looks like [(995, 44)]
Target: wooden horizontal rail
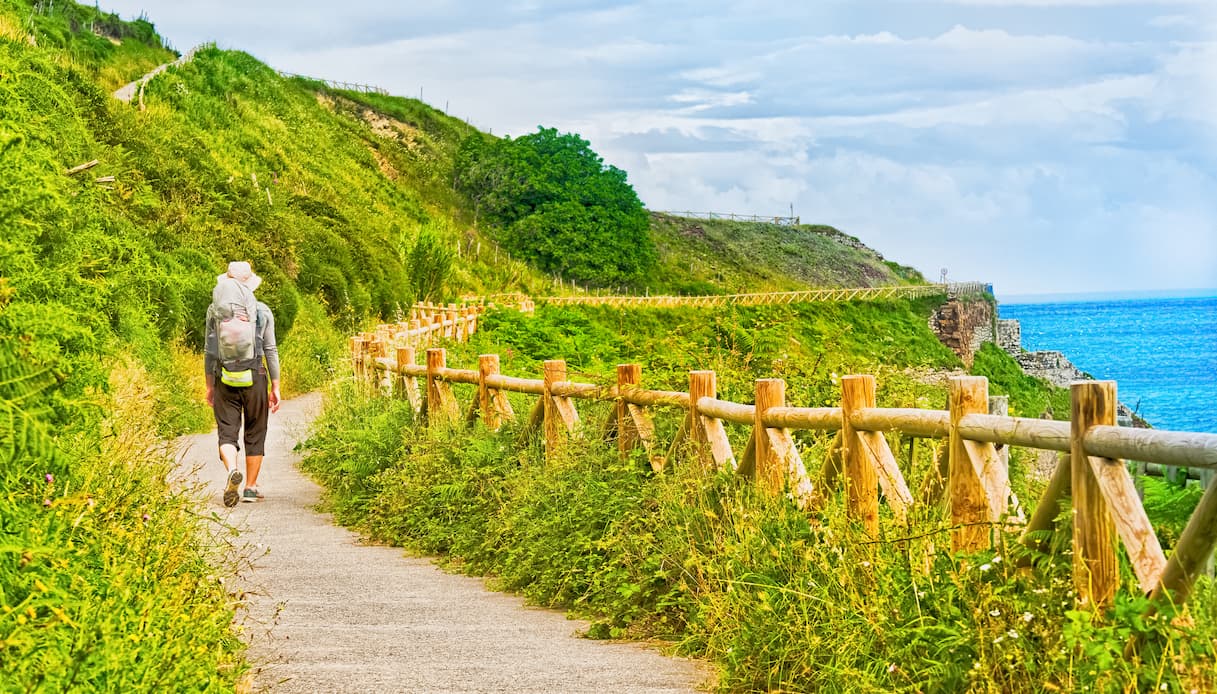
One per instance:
[(761, 298), (1045, 434), (971, 468), (726, 410), (934, 424), (651, 398), (468, 376), (1181, 449), (585, 391), (533, 386), (821, 418), (731, 216)]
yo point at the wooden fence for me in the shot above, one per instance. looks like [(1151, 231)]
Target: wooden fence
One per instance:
[(780, 221), (757, 299), (971, 466), (337, 84)]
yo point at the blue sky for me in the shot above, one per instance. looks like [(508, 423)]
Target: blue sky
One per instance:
[(1041, 145)]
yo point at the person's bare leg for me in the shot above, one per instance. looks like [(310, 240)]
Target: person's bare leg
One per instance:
[(228, 456), (232, 481), (253, 463)]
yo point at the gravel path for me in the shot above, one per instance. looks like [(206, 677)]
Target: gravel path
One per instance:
[(329, 614)]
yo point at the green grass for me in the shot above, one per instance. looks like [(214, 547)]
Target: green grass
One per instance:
[(776, 602), (112, 52), (700, 256), (1029, 396)]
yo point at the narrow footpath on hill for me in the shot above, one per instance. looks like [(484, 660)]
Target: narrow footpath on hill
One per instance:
[(328, 613)]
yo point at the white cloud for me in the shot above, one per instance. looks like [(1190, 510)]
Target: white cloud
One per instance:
[(1005, 139)]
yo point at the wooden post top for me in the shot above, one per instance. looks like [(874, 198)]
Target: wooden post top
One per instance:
[(555, 370), (436, 357), (629, 374), (969, 395), (857, 391)]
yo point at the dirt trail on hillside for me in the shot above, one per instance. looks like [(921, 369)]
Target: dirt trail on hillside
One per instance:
[(330, 614), (129, 91)]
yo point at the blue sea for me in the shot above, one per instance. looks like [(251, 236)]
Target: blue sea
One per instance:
[(1160, 350)]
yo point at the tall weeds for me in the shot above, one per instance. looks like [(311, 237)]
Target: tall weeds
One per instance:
[(108, 581)]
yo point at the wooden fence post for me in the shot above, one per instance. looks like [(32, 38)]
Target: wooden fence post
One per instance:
[(627, 437), (440, 405), (436, 332), (493, 402), (969, 504), (861, 478), (407, 386), (356, 357), (1095, 572), (770, 392), (555, 370), (368, 373), (385, 380), (702, 384)]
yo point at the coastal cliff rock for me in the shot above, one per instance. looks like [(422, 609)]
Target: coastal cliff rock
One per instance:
[(963, 326)]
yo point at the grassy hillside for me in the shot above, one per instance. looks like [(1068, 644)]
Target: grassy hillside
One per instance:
[(722, 256), (108, 50)]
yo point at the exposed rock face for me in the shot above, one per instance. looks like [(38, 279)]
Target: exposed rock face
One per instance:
[(963, 326), (1051, 366), (1009, 335)]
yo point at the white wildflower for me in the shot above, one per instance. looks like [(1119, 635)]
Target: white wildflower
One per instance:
[(994, 612), (1027, 616)]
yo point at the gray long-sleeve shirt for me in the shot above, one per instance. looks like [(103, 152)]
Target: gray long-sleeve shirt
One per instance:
[(264, 344)]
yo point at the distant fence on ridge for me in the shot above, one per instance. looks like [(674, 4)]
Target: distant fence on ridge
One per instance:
[(780, 221)]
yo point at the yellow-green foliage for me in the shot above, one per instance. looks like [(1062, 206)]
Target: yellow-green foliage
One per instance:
[(107, 582), (780, 601), (712, 256), (111, 51)]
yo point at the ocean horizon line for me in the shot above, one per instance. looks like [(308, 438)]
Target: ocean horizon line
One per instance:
[(1115, 295)]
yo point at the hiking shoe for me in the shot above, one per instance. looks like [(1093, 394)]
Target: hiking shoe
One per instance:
[(230, 489), (251, 494)]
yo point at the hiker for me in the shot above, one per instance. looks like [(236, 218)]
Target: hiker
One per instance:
[(240, 357)]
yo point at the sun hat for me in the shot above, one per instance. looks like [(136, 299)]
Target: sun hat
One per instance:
[(241, 271)]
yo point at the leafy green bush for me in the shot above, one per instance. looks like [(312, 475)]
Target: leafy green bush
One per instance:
[(559, 205), (429, 265)]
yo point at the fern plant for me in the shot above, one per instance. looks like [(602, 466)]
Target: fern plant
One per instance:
[(22, 433)]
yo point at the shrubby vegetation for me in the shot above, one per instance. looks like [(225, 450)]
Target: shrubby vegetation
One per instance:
[(776, 601), (107, 580), (559, 206)]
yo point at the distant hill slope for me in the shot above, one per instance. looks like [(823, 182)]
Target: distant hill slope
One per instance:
[(717, 255)]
